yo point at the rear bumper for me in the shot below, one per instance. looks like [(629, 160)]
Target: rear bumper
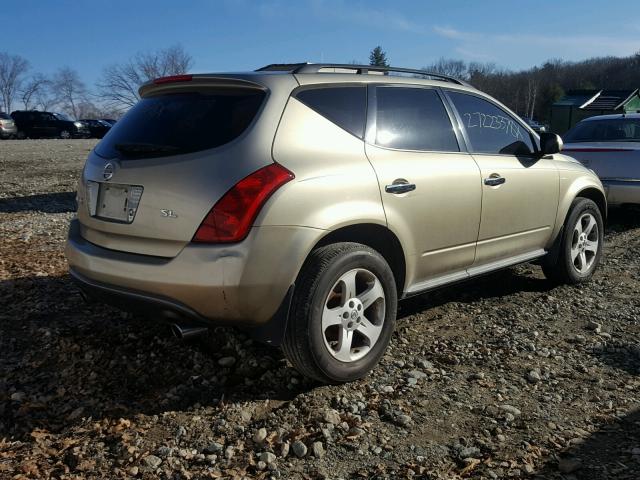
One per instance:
[(242, 284), (134, 301), (621, 191)]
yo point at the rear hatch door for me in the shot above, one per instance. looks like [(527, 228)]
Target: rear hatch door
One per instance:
[(150, 182)]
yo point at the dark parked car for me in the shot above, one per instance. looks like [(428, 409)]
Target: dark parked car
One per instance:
[(97, 128), (33, 124), (110, 121), (7, 126), (535, 125)]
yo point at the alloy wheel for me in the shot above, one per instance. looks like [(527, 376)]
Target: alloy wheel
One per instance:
[(584, 243), (353, 315)]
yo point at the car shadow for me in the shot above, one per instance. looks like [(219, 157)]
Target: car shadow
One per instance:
[(621, 219), (494, 285), (623, 357), (63, 360), (613, 451), (58, 202)]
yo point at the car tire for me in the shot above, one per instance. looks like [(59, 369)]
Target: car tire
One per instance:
[(21, 135), (65, 134), (335, 332), (580, 246)]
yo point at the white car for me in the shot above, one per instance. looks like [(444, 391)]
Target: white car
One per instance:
[(610, 146)]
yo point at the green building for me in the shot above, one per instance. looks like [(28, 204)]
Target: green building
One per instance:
[(577, 105)]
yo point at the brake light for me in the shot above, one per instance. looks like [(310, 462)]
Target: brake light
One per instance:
[(231, 217), (173, 78)]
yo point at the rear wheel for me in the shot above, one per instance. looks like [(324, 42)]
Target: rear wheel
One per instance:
[(343, 313), (65, 134), (581, 245)]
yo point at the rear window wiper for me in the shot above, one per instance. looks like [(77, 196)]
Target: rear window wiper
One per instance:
[(142, 148)]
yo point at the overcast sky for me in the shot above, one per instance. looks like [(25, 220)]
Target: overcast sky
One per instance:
[(242, 34)]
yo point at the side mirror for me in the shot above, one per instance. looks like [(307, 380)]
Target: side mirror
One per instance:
[(550, 143)]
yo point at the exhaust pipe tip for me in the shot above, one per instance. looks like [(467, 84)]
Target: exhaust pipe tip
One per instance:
[(176, 330), (185, 332)]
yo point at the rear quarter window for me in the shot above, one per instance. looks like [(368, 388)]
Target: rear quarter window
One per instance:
[(345, 106), (177, 123)]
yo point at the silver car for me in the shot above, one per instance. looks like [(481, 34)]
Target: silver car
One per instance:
[(301, 202), (610, 146), (7, 126)]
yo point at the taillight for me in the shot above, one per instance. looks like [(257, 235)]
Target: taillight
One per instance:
[(231, 217), (173, 78)]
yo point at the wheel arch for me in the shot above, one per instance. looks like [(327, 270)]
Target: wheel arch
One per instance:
[(574, 184), (378, 237), (597, 196)]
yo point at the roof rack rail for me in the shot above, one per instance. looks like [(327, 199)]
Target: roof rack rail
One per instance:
[(357, 69), (280, 67)]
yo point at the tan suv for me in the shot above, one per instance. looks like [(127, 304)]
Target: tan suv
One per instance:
[(301, 202)]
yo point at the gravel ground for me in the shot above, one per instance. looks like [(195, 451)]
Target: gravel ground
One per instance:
[(503, 377)]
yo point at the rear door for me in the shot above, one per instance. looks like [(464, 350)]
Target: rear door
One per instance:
[(46, 125), (430, 188), (36, 124), (519, 189)]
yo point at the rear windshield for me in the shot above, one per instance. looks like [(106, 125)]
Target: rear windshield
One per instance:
[(614, 130), (172, 124)]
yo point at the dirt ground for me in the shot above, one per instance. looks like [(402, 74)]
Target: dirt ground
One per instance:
[(503, 377)]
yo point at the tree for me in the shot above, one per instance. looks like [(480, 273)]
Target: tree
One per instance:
[(34, 90), (378, 57), (449, 67), (119, 84), (69, 90), (12, 69)]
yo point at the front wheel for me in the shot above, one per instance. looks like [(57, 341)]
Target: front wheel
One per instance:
[(581, 245), (65, 134), (343, 313)]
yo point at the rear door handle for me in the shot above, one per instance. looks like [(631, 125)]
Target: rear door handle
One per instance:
[(400, 187), (494, 180)]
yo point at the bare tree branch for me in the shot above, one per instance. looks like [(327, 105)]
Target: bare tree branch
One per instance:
[(34, 89), (69, 90), (118, 87), (452, 68), (12, 69)]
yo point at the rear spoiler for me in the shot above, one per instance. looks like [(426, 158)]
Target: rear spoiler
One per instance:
[(180, 82)]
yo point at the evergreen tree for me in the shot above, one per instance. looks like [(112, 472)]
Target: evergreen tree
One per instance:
[(378, 57)]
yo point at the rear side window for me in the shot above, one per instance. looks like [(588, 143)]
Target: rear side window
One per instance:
[(413, 119), (177, 123), (613, 130), (489, 128), (344, 106)]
